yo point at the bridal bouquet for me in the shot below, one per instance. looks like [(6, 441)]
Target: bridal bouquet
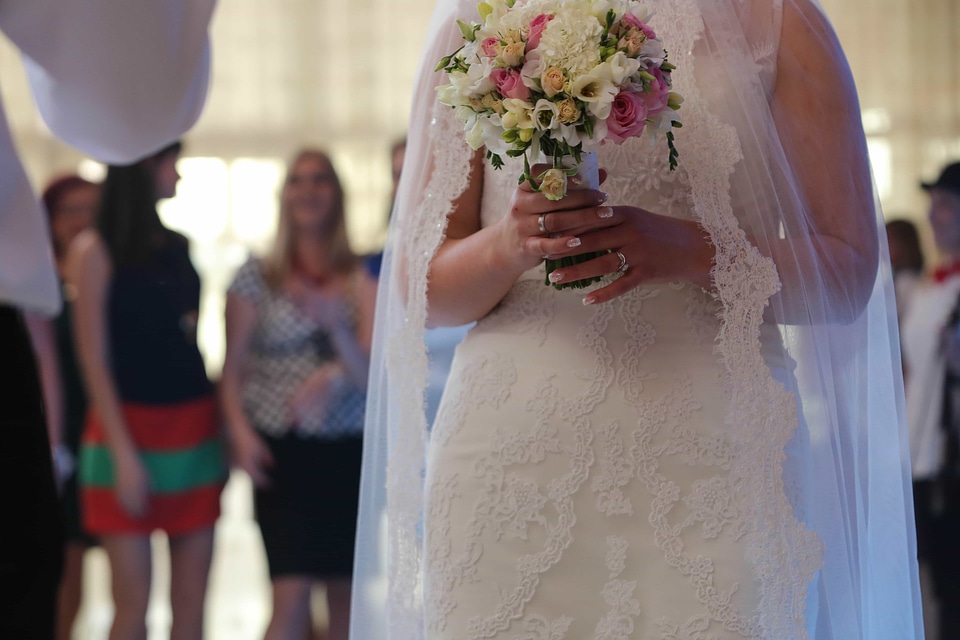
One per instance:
[(556, 79)]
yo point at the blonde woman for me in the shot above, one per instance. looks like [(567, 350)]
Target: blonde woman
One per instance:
[(299, 324)]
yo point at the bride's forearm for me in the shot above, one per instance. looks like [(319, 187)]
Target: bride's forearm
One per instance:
[(844, 274), (468, 277)]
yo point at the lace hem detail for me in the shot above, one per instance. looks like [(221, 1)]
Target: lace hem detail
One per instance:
[(763, 415)]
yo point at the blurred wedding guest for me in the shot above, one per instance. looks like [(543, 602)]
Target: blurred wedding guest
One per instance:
[(930, 336), (906, 259), (151, 456), (299, 324), (397, 151), (115, 78), (71, 205)]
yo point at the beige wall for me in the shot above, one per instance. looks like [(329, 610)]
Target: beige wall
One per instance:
[(905, 56)]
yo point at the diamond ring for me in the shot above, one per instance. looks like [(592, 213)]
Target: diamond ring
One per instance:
[(624, 265)]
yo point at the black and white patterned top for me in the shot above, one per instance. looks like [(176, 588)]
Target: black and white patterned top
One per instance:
[(287, 346)]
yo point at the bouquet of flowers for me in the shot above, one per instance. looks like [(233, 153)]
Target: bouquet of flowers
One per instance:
[(555, 79)]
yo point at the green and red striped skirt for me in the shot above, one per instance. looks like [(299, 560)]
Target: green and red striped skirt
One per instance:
[(181, 448)]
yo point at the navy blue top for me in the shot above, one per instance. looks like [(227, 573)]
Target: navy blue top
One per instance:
[(152, 312)]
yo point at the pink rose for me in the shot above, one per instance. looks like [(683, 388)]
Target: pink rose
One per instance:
[(489, 46), (536, 30), (628, 117), (510, 84), (634, 22), (656, 98)]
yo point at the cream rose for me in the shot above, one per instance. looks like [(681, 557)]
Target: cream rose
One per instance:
[(512, 54), (567, 111), (553, 184), (552, 81)]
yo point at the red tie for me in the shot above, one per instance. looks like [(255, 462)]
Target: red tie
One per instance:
[(946, 270)]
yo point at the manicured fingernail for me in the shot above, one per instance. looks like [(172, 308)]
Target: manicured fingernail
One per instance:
[(605, 212), (602, 197), (556, 276), (589, 300), (574, 180), (573, 242)]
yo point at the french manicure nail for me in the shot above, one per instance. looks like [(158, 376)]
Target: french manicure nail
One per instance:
[(556, 276), (589, 300), (573, 242), (605, 212)]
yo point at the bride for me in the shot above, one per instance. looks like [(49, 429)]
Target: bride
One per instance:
[(708, 444)]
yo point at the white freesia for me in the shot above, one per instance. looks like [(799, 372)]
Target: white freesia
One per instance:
[(652, 54), (545, 115), (475, 83), (639, 12), (597, 91), (601, 7), (618, 68), (448, 95), (569, 134), (518, 114), (532, 69), (486, 132)]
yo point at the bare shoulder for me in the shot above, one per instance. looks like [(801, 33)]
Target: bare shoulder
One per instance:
[(813, 76), (87, 256), (808, 38)]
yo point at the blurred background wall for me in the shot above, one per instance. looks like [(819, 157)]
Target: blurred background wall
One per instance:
[(292, 73)]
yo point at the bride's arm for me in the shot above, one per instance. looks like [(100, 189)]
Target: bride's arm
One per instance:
[(817, 115), (475, 266)]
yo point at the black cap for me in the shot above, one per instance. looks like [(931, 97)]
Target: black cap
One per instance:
[(949, 179)]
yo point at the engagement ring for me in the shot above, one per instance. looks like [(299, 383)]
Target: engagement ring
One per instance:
[(624, 265)]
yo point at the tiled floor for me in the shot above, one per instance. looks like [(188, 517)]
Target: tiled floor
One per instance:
[(238, 601)]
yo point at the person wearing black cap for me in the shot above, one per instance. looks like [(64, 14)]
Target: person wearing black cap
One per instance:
[(931, 355)]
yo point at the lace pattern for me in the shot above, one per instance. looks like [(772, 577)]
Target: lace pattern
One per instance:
[(763, 415)]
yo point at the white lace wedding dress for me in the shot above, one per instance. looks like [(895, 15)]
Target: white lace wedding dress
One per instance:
[(578, 475)]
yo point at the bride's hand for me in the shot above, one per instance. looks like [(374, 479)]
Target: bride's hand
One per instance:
[(656, 248), (535, 227)]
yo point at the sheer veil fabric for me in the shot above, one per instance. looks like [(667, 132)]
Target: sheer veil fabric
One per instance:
[(779, 180)]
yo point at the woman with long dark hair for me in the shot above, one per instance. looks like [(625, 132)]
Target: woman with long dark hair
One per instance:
[(298, 342), (151, 457)]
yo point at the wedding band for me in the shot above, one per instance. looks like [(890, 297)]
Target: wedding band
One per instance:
[(624, 265), (540, 223)]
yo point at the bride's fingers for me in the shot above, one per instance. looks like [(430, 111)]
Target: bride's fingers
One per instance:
[(540, 246), (577, 221), (615, 289), (600, 266), (533, 204)]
